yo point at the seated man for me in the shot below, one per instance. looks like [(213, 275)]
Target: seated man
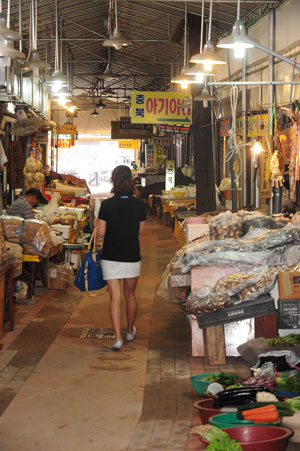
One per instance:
[(23, 205)]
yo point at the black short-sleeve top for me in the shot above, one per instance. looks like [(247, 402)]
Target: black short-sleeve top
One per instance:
[(123, 214)]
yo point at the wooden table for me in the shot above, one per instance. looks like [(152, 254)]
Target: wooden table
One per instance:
[(7, 294)]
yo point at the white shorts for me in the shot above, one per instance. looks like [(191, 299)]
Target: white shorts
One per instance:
[(120, 270)]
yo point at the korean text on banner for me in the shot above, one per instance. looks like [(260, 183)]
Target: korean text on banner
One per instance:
[(159, 108)]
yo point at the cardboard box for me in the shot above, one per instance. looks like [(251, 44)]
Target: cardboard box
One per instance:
[(59, 276), (289, 285)]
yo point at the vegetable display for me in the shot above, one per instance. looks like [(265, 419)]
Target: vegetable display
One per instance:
[(288, 340)]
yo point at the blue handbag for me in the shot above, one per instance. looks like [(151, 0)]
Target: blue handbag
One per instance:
[(90, 275)]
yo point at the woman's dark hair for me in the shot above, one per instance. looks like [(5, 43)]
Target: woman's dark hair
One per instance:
[(122, 180)]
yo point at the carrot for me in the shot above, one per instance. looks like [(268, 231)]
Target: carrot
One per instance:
[(268, 420), (264, 409), (265, 417)]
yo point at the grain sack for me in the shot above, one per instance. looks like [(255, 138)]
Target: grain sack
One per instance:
[(31, 234)]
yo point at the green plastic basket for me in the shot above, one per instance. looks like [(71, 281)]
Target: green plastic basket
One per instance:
[(230, 420), (199, 384)]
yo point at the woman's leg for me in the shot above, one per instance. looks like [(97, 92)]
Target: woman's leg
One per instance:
[(131, 304), (115, 293)]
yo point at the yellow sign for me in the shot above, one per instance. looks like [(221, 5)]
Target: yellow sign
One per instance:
[(159, 108), (128, 144), (257, 125), (66, 129)]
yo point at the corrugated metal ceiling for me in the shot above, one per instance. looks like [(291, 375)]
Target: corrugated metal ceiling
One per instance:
[(151, 25)]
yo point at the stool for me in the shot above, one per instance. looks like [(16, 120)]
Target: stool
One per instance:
[(73, 247), (32, 262)]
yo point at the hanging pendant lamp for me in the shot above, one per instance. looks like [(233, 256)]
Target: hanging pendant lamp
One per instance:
[(7, 36), (95, 112), (205, 97), (209, 56), (235, 40), (184, 78), (108, 74), (57, 80), (100, 104), (117, 40), (34, 62)]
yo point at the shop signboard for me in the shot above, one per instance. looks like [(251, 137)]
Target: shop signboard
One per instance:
[(149, 107), (155, 154), (124, 129), (149, 156), (162, 141), (170, 174), (159, 155), (66, 129), (128, 144), (257, 125), (174, 128), (64, 141)]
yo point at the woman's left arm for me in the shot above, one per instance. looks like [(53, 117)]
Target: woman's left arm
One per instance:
[(100, 227), (142, 226)]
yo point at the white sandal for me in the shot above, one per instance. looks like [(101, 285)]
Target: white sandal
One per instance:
[(131, 336), (117, 345)]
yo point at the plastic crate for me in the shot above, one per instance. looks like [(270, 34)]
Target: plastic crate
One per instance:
[(289, 314), (262, 306)]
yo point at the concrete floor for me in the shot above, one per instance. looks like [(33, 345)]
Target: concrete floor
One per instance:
[(59, 392)]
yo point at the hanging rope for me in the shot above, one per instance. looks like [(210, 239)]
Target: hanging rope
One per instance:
[(234, 148)]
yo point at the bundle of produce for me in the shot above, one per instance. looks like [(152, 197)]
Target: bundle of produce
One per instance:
[(237, 396), (283, 409), (262, 381), (31, 234), (205, 300), (293, 403), (266, 414), (218, 439), (288, 340), (35, 170), (289, 384), (226, 225), (225, 379)]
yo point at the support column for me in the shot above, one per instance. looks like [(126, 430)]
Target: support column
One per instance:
[(201, 138)]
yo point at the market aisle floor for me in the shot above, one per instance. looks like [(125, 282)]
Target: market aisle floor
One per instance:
[(60, 392)]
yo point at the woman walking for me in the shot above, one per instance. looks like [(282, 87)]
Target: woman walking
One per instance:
[(121, 221)]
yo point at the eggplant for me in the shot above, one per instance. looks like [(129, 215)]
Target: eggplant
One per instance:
[(237, 396), (250, 388)]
